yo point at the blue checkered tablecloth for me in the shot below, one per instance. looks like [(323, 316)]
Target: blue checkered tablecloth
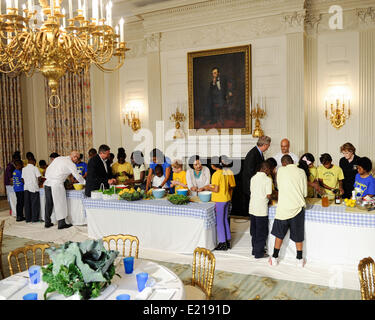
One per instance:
[(204, 211), (334, 215), (73, 194)]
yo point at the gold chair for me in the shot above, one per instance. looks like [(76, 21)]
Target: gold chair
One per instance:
[(24, 251), (202, 275), (1, 245), (366, 271), (123, 238)]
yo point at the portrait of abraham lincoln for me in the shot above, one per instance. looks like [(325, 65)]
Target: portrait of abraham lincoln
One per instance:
[(219, 89)]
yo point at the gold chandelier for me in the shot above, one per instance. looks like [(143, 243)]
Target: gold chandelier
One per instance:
[(29, 43)]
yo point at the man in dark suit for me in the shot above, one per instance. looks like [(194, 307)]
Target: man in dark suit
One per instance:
[(99, 171), (251, 165), (218, 95)]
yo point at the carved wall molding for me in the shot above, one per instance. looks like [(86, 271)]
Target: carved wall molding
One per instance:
[(222, 34), (312, 20), (294, 21), (138, 49), (153, 42), (366, 15)]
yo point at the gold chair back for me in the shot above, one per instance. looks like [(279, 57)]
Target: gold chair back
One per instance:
[(25, 251), (1, 246), (203, 270), (366, 271), (123, 238)]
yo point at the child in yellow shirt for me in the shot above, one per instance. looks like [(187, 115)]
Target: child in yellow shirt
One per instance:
[(227, 164), (122, 170), (330, 176), (179, 176), (220, 194)]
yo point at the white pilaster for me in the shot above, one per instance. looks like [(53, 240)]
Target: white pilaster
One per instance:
[(295, 92)]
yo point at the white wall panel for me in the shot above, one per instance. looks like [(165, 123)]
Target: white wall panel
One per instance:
[(338, 55)]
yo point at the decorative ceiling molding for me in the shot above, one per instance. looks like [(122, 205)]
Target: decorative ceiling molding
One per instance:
[(214, 12)]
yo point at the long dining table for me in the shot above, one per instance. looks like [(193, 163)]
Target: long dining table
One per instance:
[(336, 235), (158, 224)]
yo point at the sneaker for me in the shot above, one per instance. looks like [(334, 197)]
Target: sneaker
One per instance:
[(300, 262), (273, 261)]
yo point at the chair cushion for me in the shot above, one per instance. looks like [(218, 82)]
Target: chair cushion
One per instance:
[(194, 293)]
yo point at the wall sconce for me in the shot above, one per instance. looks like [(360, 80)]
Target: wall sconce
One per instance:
[(178, 117), (337, 114), (258, 113), (131, 115)]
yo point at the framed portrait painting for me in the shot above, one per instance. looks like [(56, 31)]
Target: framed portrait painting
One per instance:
[(220, 89)]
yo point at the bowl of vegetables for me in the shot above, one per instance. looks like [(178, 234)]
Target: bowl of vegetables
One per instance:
[(205, 196), (132, 194), (158, 193)]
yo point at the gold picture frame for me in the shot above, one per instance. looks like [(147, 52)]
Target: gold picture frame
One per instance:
[(220, 99)]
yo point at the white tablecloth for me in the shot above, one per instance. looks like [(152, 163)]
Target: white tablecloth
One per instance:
[(157, 223), (332, 236), (167, 284), (76, 212)]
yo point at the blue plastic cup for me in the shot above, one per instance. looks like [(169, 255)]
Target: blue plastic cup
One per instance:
[(141, 280), (34, 274), (123, 297), (129, 264), (30, 296)]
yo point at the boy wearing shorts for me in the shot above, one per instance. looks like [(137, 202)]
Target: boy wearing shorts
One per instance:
[(290, 211)]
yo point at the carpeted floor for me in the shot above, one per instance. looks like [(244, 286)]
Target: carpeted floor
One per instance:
[(227, 285)]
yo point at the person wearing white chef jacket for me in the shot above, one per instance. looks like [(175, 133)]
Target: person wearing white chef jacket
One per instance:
[(54, 190)]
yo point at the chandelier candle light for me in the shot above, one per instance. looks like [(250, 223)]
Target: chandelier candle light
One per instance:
[(178, 117), (259, 113), (337, 115), (42, 41)]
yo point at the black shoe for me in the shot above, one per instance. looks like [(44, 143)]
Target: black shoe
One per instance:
[(48, 225), (222, 246), (265, 255), (229, 245), (21, 219), (65, 226)]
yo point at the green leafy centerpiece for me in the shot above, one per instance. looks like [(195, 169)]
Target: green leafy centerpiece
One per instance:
[(85, 268), (178, 199)]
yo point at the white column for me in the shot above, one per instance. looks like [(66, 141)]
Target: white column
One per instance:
[(311, 103), (154, 81), (366, 93), (295, 92)]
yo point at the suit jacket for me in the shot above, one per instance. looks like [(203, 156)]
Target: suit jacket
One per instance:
[(251, 166), (96, 175)]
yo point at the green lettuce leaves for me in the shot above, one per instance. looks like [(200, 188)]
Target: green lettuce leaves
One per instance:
[(83, 267)]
